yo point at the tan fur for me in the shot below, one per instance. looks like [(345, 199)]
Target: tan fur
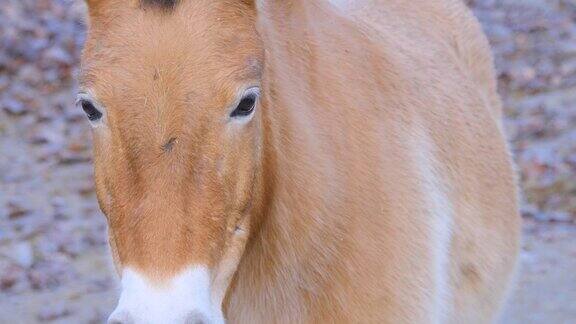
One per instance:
[(373, 185)]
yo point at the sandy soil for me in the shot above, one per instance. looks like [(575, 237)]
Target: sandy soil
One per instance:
[(546, 285)]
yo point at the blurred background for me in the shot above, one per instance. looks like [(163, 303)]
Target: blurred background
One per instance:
[(54, 264)]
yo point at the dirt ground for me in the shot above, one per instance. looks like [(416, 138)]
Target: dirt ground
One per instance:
[(54, 266)]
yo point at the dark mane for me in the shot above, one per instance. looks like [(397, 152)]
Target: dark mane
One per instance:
[(161, 4)]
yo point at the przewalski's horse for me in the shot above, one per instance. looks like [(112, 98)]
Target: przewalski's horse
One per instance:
[(300, 161)]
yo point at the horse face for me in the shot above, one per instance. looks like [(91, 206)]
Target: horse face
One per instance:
[(171, 89)]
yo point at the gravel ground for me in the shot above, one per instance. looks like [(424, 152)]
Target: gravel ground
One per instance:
[(53, 261)]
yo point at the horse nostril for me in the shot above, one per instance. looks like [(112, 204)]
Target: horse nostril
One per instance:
[(196, 318)]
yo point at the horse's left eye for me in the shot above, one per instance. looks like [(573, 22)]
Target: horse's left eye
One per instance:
[(91, 111), (246, 105)]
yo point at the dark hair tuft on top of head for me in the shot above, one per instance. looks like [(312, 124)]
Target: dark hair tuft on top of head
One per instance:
[(162, 4)]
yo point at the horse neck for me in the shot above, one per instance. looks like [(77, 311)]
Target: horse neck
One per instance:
[(293, 244), (296, 240)]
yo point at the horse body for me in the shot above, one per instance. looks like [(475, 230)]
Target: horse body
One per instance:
[(373, 182)]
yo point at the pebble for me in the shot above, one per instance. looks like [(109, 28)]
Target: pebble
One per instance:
[(54, 312), (21, 253)]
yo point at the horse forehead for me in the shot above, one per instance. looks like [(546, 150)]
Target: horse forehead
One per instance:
[(193, 39), (165, 63)]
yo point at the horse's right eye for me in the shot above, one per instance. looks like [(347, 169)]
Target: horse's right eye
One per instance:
[(91, 111)]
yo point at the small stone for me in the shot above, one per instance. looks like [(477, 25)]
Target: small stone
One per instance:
[(21, 253), (54, 312), (59, 55), (14, 107)]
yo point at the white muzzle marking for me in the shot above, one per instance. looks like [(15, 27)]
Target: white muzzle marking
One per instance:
[(185, 299)]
